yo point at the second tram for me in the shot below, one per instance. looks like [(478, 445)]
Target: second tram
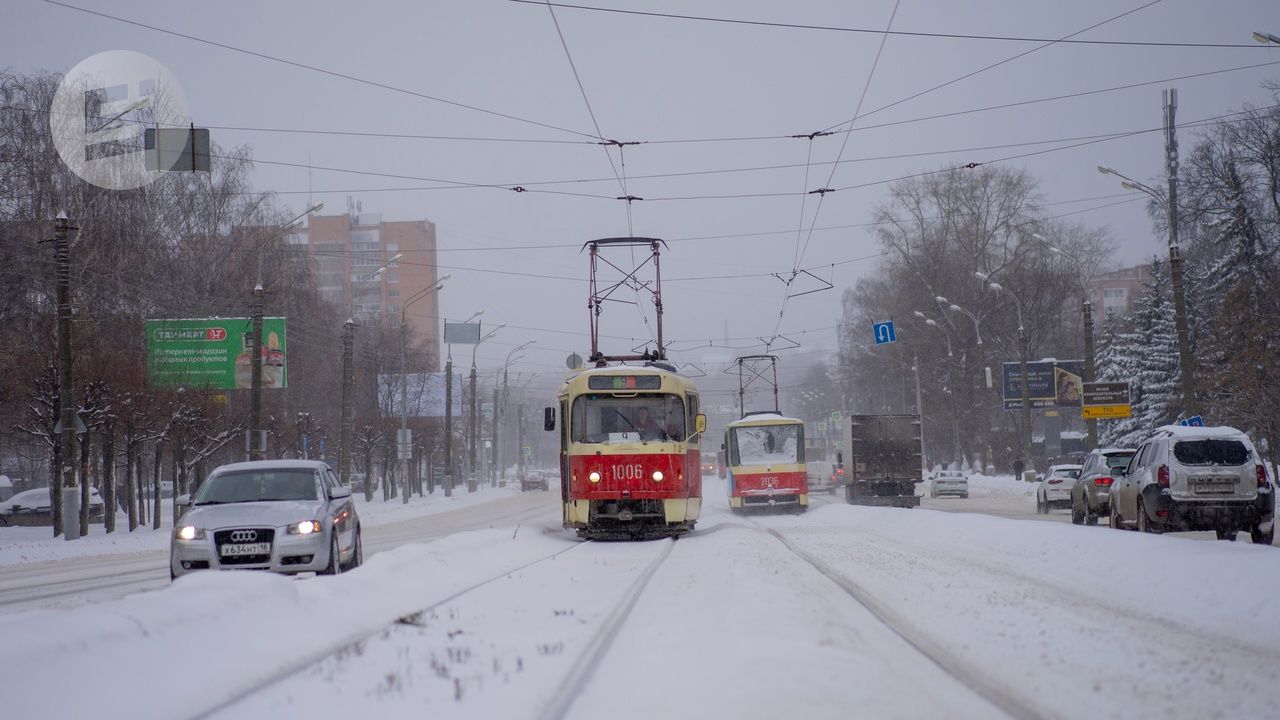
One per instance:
[(629, 456), (765, 457)]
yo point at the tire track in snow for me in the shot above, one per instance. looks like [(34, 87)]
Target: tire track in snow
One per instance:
[(585, 666), (946, 661)]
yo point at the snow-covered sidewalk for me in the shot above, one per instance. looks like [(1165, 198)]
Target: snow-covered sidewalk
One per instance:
[(36, 544)]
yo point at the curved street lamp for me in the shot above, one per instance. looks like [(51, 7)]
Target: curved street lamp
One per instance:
[(1022, 362), (402, 442)]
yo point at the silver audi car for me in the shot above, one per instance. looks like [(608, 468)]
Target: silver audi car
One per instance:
[(287, 516)]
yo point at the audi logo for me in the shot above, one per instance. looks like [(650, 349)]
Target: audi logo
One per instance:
[(244, 536)]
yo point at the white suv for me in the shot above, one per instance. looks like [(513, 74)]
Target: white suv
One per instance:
[(1196, 478)]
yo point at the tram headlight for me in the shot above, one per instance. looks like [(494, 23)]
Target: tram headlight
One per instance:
[(594, 476), (657, 476)]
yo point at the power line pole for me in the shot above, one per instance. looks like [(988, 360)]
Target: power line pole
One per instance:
[(257, 451), (348, 410), (1186, 362), (520, 441), (493, 471), (1026, 391), (66, 508), (1086, 311), (448, 426), (471, 459)]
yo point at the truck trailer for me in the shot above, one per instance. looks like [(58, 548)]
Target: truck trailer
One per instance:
[(882, 461)]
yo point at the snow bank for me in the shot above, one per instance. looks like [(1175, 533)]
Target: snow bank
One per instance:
[(212, 636), (37, 544)]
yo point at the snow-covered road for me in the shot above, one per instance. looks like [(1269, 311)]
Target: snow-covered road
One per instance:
[(841, 612)]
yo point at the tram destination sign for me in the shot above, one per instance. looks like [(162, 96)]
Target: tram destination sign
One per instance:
[(624, 382)]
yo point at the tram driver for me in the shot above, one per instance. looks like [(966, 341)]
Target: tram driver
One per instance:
[(646, 425)]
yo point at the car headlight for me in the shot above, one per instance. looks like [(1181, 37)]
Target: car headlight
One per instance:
[(190, 532), (306, 527)]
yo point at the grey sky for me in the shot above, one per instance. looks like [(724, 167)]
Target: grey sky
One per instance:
[(653, 79)]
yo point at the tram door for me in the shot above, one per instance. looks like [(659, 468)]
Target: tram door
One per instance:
[(564, 461)]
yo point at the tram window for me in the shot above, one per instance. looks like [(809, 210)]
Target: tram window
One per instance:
[(693, 412), (640, 418), (766, 444)]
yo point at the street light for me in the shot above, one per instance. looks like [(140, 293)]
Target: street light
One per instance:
[(402, 442), (500, 412), (1086, 317), (977, 324), (471, 467), (1022, 361), (1186, 363), (1266, 38)]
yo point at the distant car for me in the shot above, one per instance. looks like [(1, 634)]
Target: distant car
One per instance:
[(822, 476), (286, 516), (1196, 478), (708, 464), (1055, 491), (535, 480), (32, 507), (1091, 493), (358, 481), (949, 482)]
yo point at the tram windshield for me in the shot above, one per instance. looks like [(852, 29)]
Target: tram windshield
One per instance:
[(767, 445), (640, 418)]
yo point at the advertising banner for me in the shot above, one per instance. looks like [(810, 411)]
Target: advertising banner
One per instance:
[(461, 333), (425, 395), (1051, 383), (213, 353)]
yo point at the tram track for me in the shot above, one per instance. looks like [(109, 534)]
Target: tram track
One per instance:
[(963, 672)]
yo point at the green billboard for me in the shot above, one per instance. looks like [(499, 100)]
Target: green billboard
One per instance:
[(213, 353)]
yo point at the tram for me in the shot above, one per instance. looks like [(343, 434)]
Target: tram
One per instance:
[(765, 457), (764, 450), (629, 427), (629, 455)]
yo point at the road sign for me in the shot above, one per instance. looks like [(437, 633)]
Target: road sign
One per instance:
[(1193, 421), (836, 416), (573, 362), (884, 332), (404, 444), (1106, 412)]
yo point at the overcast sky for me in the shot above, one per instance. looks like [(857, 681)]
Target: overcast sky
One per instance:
[(649, 79)]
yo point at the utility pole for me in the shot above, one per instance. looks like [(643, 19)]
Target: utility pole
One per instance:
[(66, 497), (256, 449), (448, 425), (471, 459), (493, 470), (520, 441), (1026, 392), (915, 368), (403, 446), (348, 409), (1086, 311), (1186, 362)]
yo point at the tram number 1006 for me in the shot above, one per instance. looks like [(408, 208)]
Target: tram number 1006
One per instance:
[(628, 472)]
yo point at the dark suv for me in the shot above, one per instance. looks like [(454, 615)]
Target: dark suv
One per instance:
[(1091, 494)]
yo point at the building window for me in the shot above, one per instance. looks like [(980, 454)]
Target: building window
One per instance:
[(1115, 301), (393, 293), (393, 277), (393, 247)]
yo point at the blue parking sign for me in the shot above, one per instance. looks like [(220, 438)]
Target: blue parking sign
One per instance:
[(884, 332), (1193, 421)]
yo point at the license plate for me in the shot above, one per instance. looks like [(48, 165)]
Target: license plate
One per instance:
[(1215, 487), (241, 549)]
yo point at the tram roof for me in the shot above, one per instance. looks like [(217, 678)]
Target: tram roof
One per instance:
[(766, 418), (577, 382)]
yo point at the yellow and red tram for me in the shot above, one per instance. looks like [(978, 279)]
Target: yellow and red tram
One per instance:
[(629, 454), (765, 458)]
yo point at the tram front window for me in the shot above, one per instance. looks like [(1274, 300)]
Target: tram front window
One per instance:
[(767, 445), (640, 418)]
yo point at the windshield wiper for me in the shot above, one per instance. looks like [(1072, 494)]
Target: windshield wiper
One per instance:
[(633, 426)]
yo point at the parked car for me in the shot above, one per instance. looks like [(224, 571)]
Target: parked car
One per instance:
[(32, 507), (1055, 490), (1090, 496), (949, 482), (822, 476), (286, 516), (1196, 478)]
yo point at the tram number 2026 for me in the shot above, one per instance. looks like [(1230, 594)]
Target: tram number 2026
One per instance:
[(628, 472)]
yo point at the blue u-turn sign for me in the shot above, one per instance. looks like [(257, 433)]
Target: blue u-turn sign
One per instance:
[(884, 332)]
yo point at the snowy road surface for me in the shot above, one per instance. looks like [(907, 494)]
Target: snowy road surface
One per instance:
[(841, 612)]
